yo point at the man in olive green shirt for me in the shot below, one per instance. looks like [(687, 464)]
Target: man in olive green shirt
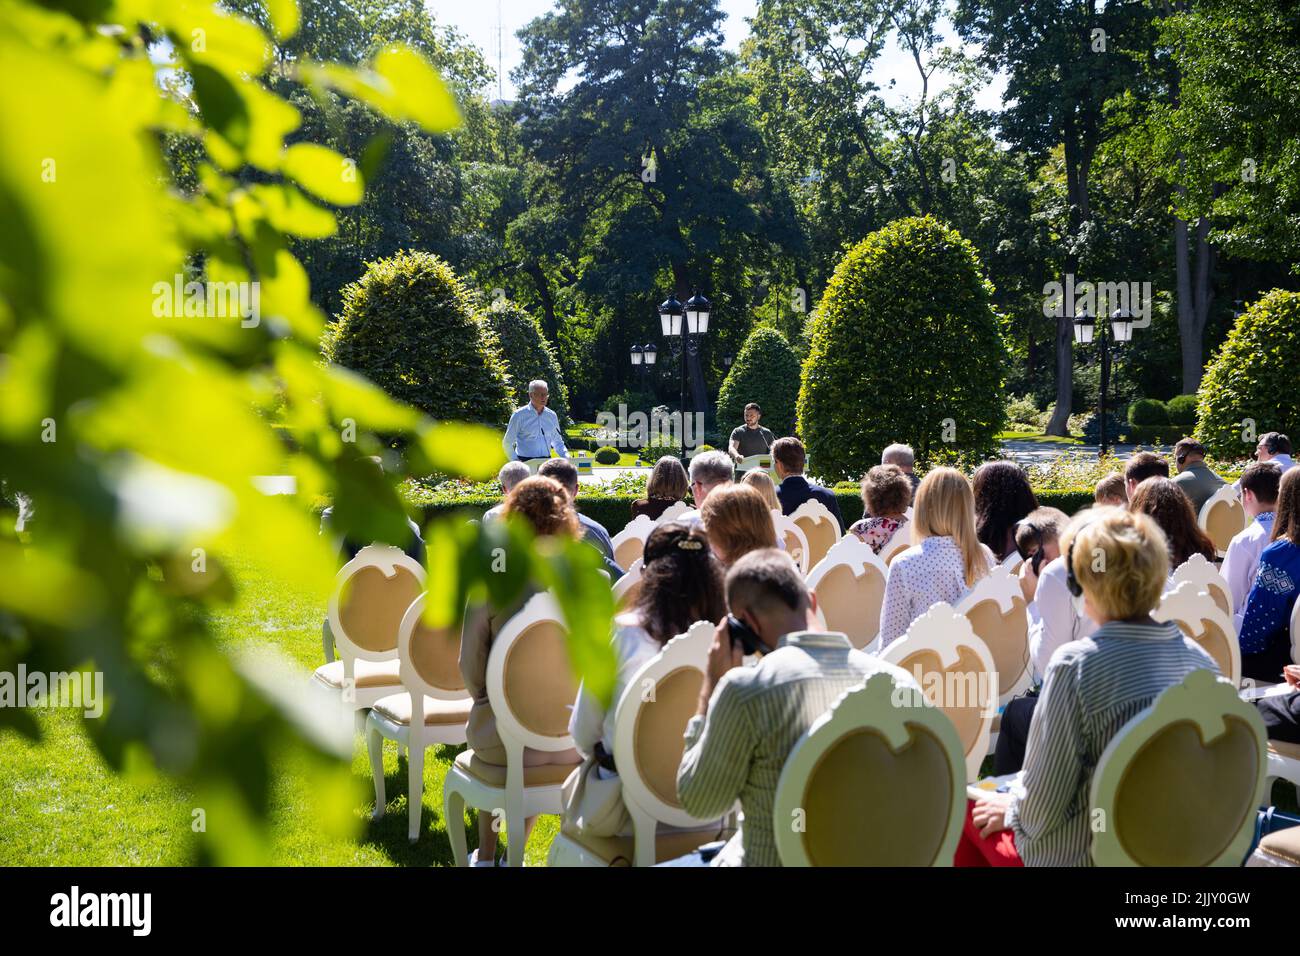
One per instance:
[(1194, 476), (750, 438)]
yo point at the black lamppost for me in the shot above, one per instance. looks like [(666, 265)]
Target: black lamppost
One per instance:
[(696, 313), (1120, 331), (644, 356)]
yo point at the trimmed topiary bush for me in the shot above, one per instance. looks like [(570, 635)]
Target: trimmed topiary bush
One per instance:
[(408, 325), (1182, 412), (906, 346), (607, 455), (1250, 386), (528, 355), (765, 371), (1148, 411)]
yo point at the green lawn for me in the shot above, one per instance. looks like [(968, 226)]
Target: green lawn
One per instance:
[(61, 805)]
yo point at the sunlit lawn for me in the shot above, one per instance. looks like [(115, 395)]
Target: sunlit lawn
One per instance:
[(61, 805)]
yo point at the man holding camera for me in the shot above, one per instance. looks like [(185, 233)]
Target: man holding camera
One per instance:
[(750, 718)]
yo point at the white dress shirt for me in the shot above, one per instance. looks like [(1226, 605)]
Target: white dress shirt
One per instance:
[(1242, 560), (532, 434), (591, 722), (1054, 620), (919, 577)]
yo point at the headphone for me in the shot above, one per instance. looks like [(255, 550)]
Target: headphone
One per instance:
[(1071, 581)]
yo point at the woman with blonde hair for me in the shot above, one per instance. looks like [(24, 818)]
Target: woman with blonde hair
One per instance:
[(761, 481), (945, 559), (737, 521), (544, 505)]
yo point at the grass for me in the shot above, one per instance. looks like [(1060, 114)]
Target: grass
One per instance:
[(61, 805), (1034, 436)]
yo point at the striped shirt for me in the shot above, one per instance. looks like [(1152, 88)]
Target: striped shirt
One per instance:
[(755, 717), (1092, 688)]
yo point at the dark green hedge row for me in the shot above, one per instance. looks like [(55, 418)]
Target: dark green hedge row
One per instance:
[(615, 511)]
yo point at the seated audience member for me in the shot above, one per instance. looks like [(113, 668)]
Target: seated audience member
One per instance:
[(1092, 689), (709, 470), (886, 494), (666, 487), (1037, 538), (750, 438), (902, 456), (511, 473), (750, 717), (945, 560), (737, 521), (681, 583), (1164, 501), (1111, 491), (566, 473), (1265, 625), (1276, 447), (789, 459), (1002, 497), (1259, 484), (546, 506), (1194, 476), (1140, 467), (412, 543), (761, 482), (1054, 621), (1282, 713)]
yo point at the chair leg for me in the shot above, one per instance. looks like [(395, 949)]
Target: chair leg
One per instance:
[(414, 791), (327, 641), (375, 744), (514, 827), (453, 814), (645, 828)]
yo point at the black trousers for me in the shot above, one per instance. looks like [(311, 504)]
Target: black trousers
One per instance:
[(1267, 665), (1282, 717), (1013, 734)]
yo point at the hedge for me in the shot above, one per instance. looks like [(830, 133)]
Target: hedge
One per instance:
[(615, 511), (765, 371), (528, 355)]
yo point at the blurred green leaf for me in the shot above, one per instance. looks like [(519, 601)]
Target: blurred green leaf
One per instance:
[(324, 172)]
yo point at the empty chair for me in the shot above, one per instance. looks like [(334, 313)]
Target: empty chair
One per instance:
[(370, 597), (432, 709), (819, 527), (1222, 517), (957, 674), (879, 780), (1181, 783), (850, 587)]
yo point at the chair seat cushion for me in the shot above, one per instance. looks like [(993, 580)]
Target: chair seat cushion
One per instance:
[(1283, 749), (495, 776), (1280, 848), (367, 673), (621, 850), (397, 708)]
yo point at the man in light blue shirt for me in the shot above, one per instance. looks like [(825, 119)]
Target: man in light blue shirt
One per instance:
[(534, 429)]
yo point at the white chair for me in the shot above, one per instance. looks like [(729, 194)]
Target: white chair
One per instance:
[(1181, 783), (371, 594), (630, 542), (628, 587), (657, 703), (997, 613), (818, 526), (531, 689), (1201, 618), (432, 710), (957, 674), (796, 542), (1279, 848), (850, 587), (1206, 577), (878, 780), (896, 545), (673, 512), (1222, 517), (1012, 562)]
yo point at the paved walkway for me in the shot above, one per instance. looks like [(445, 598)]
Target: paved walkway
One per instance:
[(1042, 452)]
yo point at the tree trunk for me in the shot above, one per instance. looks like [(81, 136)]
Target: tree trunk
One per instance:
[(1195, 296), (550, 326)]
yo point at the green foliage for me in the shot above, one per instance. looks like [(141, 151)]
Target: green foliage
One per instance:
[(1148, 411), (766, 371), (1182, 412), (607, 455), (905, 347), (408, 325), (1250, 385), (1024, 411), (528, 355), (652, 453)]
